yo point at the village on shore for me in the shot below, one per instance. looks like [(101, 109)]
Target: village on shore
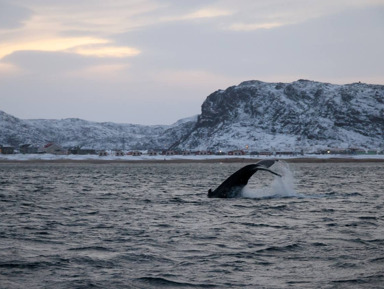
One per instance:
[(55, 149)]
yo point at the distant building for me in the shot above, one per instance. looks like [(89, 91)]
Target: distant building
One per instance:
[(53, 148), (203, 153), (7, 150), (119, 153), (82, 151), (265, 153), (285, 153), (236, 153), (28, 149), (342, 151), (357, 151)]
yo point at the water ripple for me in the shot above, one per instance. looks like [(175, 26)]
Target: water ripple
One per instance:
[(152, 226)]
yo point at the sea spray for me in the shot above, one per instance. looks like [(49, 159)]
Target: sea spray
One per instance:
[(281, 187)]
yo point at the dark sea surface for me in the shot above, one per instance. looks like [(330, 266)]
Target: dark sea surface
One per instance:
[(152, 226)]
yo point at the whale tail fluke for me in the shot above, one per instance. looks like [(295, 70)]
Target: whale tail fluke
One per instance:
[(232, 186), (268, 170), (264, 165)]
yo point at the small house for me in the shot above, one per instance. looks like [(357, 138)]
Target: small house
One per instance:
[(81, 151), (28, 149), (53, 148), (236, 153), (357, 151), (7, 150), (285, 153), (203, 153), (265, 153)]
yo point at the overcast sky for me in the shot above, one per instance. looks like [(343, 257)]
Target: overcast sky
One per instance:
[(155, 61)]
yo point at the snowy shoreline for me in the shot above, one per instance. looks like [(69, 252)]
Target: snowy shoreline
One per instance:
[(181, 159)]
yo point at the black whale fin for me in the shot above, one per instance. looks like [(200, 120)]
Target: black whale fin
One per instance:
[(233, 185)]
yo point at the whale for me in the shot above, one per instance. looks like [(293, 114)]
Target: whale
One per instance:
[(232, 186)]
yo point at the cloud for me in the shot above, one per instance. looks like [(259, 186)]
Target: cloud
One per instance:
[(48, 64), (95, 17), (321, 46), (48, 44), (255, 26), (106, 51), (251, 15), (199, 14), (48, 30), (12, 16), (8, 69), (87, 46)]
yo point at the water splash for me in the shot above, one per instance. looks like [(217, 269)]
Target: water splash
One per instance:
[(280, 187)]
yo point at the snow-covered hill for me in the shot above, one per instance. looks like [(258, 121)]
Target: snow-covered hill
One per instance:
[(290, 116), (255, 115), (76, 132)]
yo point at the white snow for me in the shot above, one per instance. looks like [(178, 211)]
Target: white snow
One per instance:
[(302, 115), (51, 157)]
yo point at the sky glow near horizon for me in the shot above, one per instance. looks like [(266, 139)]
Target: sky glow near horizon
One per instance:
[(155, 61)]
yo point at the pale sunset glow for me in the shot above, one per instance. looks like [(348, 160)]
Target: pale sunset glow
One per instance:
[(209, 13), (108, 51), (203, 13), (52, 44), (154, 61), (8, 69), (80, 45), (250, 27)]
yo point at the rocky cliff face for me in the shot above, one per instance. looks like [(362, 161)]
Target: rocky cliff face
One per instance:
[(290, 116)]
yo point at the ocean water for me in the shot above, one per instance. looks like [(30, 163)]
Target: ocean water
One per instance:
[(152, 226)]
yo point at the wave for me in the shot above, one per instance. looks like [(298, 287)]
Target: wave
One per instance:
[(87, 248), (160, 282), (26, 264), (373, 281), (276, 249)]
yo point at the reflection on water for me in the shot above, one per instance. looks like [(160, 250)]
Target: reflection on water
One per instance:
[(152, 226)]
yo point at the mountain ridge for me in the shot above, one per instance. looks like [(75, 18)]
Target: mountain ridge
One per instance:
[(287, 116), (70, 132), (254, 115)]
